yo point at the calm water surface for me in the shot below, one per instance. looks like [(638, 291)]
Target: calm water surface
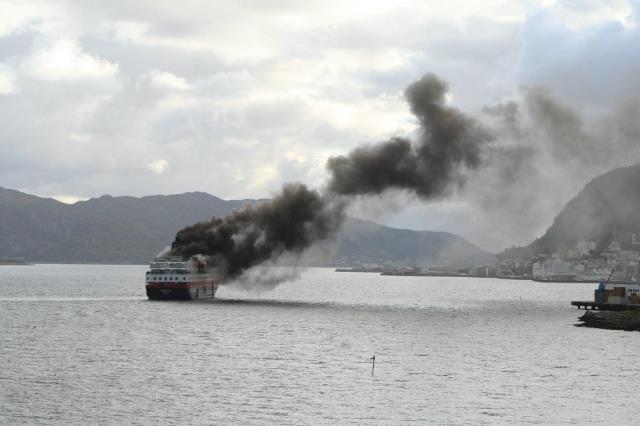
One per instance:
[(82, 345)]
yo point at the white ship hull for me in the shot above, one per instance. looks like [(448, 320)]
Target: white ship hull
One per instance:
[(176, 279)]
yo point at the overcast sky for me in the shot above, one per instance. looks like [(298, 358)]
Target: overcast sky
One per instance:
[(234, 98)]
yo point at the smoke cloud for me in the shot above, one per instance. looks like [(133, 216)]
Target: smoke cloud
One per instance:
[(545, 150), (289, 223), (516, 156), (449, 143)]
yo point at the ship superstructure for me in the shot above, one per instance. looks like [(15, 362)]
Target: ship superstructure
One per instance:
[(173, 278)]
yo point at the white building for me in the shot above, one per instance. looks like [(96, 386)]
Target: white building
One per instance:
[(583, 248), (554, 269), (614, 246), (594, 274)]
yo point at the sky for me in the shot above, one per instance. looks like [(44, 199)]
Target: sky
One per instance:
[(237, 98)]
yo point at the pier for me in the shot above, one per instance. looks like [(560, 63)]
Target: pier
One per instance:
[(605, 306)]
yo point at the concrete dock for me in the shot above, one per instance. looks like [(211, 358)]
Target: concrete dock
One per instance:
[(605, 306)]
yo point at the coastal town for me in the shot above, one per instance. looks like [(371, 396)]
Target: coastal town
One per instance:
[(587, 261)]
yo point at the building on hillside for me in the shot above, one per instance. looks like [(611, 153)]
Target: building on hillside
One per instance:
[(514, 267), (554, 269), (614, 247), (594, 274), (483, 271), (584, 248), (628, 256)]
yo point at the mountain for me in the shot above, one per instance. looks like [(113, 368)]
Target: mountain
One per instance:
[(607, 209), (102, 230), (132, 230), (368, 242)]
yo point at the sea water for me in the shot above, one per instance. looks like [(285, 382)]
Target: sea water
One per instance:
[(81, 344)]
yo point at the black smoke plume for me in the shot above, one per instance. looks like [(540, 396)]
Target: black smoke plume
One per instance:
[(289, 223), (448, 143)]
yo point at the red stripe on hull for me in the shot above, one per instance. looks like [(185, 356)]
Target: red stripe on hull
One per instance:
[(181, 290), (193, 284)]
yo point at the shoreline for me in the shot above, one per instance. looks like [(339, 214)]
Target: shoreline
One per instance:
[(458, 275), (611, 320)]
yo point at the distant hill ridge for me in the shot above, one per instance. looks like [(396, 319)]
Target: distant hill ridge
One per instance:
[(131, 230), (607, 209)]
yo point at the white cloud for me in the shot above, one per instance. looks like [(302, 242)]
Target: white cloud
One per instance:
[(7, 80), (167, 80), (17, 15), (158, 167), (591, 64), (65, 60), (79, 137), (593, 12)]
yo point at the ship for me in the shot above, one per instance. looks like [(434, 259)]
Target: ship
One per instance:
[(174, 278)]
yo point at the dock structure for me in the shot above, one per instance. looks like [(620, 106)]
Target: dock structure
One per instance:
[(605, 306)]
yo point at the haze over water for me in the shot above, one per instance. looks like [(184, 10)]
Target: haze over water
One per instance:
[(82, 345)]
